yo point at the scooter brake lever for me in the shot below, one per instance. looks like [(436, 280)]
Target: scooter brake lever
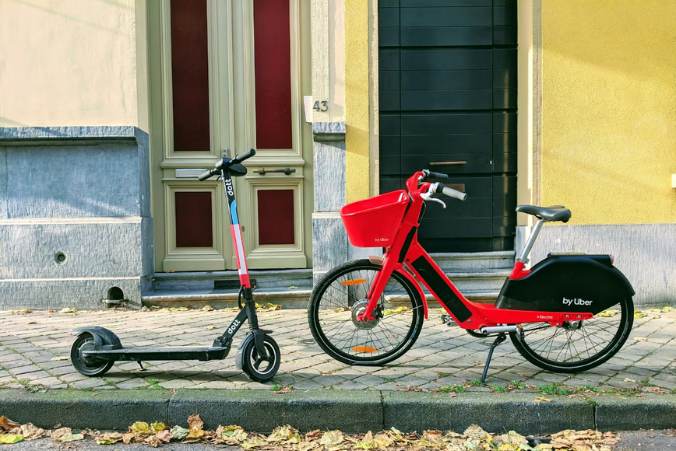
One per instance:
[(428, 197)]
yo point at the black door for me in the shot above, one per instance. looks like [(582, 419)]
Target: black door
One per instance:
[(447, 71)]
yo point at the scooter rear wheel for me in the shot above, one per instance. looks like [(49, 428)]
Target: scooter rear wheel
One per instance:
[(88, 367), (577, 345)]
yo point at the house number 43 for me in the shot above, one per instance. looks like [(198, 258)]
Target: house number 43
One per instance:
[(321, 106)]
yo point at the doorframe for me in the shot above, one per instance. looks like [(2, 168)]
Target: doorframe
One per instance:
[(529, 105), (228, 65)]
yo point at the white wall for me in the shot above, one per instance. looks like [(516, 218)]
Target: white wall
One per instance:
[(68, 62)]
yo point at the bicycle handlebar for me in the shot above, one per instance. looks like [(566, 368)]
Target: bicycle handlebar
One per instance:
[(219, 166), (450, 192), (435, 175)]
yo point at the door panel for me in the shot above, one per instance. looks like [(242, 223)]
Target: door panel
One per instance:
[(447, 81), (190, 75)]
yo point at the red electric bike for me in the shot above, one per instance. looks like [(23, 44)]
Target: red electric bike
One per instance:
[(370, 312)]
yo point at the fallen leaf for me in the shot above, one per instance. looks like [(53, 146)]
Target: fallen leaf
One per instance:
[(608, 313), (639, 314), (60, 358), (210, 327), (31, 432), (32, 322), (126, 438), (195, 422), (293, 287), (68, 310), (654, 390), (7, 424), (667, 309), (540, 399), (109, 438), (232, 435), (626, 379), (8, 439), (165, 436), (254, 441), (153, 440), (179, 433), (140, 427), (284, 434), (331, 438), (157, 427), (70, 437), (58, 433), (207, 308), (640, 339)]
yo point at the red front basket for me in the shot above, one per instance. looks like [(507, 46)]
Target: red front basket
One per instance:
[(374, 222)]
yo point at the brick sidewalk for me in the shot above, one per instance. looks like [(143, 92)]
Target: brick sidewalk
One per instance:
[(442, 356)]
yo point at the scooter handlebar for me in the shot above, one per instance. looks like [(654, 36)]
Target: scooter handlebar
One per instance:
[(243, 156), (205, 175)]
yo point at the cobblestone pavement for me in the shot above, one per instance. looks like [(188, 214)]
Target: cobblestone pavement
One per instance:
[(34, 348)]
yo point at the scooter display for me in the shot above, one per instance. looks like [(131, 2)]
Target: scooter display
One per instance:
[(96, 348), (569, 313)]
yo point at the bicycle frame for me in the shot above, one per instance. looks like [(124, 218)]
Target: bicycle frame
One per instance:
[(407, 252)]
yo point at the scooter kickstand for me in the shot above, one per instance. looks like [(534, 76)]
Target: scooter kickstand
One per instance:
[(499, 339), (141, 365)]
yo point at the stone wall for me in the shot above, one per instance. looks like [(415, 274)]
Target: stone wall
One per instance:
[(75, 219)]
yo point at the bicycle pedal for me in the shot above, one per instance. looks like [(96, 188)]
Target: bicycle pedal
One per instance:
[(447, 320)]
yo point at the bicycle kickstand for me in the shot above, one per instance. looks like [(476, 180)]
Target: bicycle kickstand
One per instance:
[(499, 339)]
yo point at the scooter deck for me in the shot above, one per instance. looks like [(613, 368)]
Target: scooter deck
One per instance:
[(147, 353)]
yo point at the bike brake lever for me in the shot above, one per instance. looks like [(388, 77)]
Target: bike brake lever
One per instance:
[(428, 196)]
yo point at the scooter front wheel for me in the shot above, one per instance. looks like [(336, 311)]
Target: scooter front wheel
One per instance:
[(576, 346), (88, 367), (256, 367)]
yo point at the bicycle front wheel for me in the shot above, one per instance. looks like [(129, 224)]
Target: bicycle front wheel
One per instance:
[(341, 296)]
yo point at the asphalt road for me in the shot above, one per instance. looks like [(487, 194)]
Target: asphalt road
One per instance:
[(630, 441)]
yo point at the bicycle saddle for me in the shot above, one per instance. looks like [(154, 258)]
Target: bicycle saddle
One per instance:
[(554, 213)]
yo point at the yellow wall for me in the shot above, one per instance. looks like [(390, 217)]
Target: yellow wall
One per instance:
[(357, 99), (68, 62), (609, 109)]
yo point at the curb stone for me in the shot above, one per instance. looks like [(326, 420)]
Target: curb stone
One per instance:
[(410, 412), (653, 412), (352, 411)]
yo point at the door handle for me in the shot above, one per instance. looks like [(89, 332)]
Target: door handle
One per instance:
[(287, 171), (448, 163)]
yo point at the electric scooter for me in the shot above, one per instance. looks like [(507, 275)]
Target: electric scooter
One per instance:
[(96, 348)]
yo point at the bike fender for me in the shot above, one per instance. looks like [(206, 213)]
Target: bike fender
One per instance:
[(415, 283), (102, 336), (567, 283)]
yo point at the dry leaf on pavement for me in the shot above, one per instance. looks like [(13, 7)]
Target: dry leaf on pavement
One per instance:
[(31, 432), (8, 439), (283, 389), (179, 433), (165, 436), (195, 422), (140, 427), (540, 399), (7, 424)]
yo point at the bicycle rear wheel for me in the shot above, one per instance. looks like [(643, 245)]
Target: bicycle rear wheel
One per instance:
[(577, 345), (342, 295)]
